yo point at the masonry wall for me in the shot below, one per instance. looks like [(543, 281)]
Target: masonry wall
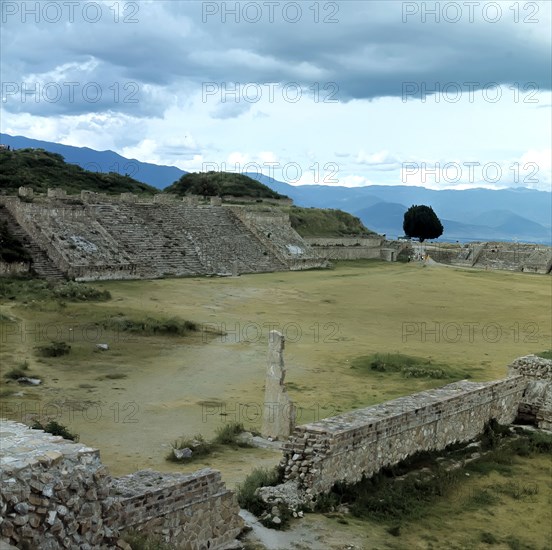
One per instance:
[(273, 229), (346, 248), (57, 494), (349, 446), (530, 258), (192, 511), (536, 402)]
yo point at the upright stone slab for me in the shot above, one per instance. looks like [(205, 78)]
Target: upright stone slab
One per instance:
[(279, 411)]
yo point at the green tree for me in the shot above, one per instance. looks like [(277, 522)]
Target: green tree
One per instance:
[(421, 222)]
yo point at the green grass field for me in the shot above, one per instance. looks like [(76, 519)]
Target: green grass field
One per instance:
[(152, 388)]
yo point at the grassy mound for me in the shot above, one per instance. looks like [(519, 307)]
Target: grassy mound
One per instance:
[(41, 169), (318, 222), (212, 184)]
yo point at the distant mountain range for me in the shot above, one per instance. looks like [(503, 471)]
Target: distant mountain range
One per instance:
[(472, 214)]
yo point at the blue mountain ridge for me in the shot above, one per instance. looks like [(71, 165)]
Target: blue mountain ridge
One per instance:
[(472, 214)]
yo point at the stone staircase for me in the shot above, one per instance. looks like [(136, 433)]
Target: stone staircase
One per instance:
[(41, 263), (105, 240)]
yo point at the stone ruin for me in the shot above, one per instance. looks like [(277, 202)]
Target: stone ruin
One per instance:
[(57, 494), (350, 446), (132, 237), (279, 411)]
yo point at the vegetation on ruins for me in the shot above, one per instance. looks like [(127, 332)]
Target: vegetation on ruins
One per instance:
[(317, 222), (40, 169), (54, 428), (421, 222), (210, 184), (11, 249), (246, 492), (225, 436)]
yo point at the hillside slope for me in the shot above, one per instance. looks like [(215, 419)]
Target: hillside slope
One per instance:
[(41, 169)]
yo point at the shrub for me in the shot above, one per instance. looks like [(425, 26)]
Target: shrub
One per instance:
[(228, 435), (151, 326), (54, 428), (493, 433), (54, 349), (408, 366), (488, 538), (394, 530), (259, 477), (199, 447), (18, 372)]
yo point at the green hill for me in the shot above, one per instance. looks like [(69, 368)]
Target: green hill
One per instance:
[(212, 184), (41, 169), (318, 222)]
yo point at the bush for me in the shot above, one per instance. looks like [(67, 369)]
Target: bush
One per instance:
[(488, 538), (54, 349), (493, 433), (199, 447), (151, 326), (54, 428), (259, 477), (18, 372), (228, 435), (408, 366)]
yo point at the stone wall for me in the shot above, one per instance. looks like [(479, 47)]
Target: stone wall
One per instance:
[(189, 511), (359, 443), (536, 402), (273, 229), (57, 494), (530, 258), (346, 248)]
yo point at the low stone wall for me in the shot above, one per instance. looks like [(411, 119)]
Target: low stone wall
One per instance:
[(346, 248), (57, 494), (526, 257), (190, 511), (349, 446), (536, 402)]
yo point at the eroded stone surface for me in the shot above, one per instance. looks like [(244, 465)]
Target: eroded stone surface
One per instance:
[(279, 411)]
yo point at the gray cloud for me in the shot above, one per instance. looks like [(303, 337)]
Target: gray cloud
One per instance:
[(373, 51)]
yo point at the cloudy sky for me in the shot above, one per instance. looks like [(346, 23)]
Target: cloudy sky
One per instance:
[(440, 94)]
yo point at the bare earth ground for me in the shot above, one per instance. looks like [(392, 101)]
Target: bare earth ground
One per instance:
[(135, 399)]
